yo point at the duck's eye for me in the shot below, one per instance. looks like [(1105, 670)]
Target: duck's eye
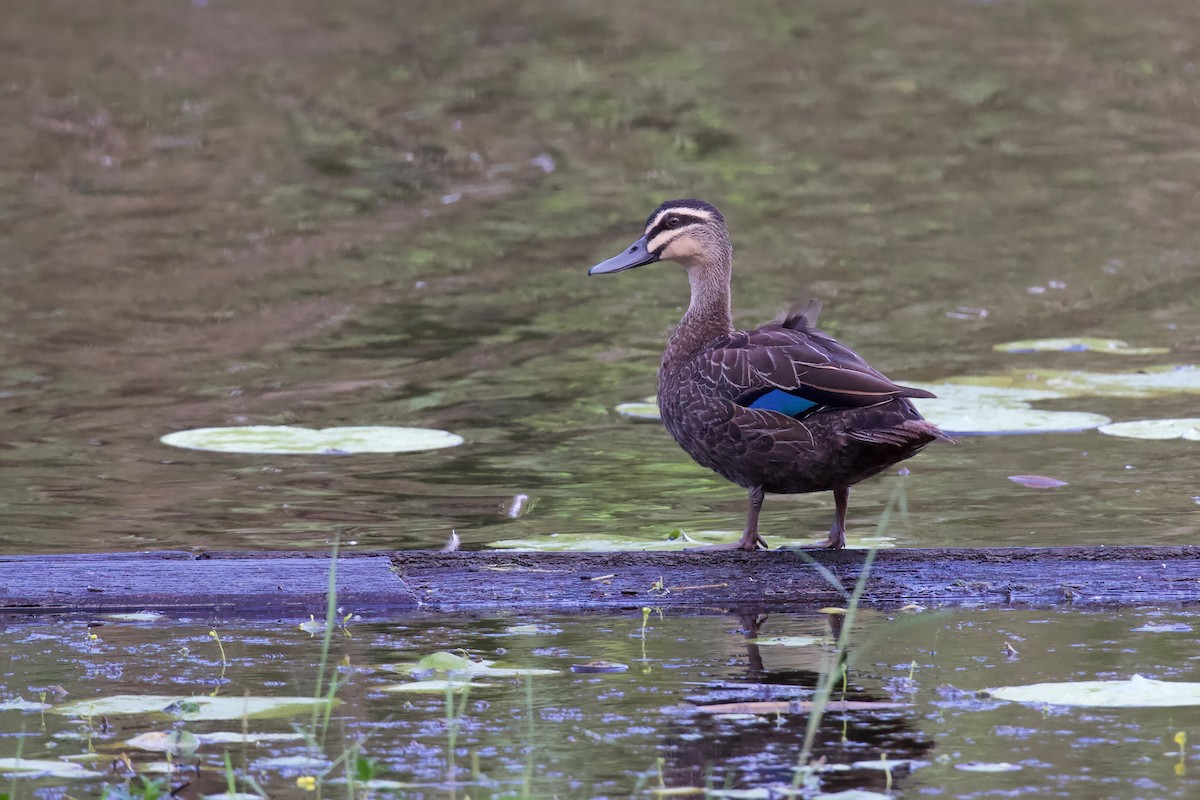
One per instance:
[(672, 221)]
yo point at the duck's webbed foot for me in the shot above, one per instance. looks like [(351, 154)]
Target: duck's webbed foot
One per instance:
[(837, 534), (757, 543), (829, 543)]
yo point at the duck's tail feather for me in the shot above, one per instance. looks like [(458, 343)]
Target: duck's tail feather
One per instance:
[(802, 316), (906, 434)]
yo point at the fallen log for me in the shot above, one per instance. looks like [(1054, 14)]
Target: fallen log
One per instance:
[(246, 583)]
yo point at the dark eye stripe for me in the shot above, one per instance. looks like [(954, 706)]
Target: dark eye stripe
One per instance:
[(684, 221)]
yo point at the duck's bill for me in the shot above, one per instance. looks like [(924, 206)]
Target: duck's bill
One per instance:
[(634, 256)]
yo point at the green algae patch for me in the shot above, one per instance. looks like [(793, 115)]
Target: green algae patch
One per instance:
[(191, 708), (289, 440), (1079, 345), (1137, 692), (1187, 428)]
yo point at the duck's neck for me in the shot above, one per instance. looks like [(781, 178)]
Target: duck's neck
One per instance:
[(709, 315)]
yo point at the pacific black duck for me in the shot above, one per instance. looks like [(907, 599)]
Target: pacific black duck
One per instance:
[(783, 408)]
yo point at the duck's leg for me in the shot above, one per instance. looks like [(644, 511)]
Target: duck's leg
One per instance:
[(750, 539), (837, 534)]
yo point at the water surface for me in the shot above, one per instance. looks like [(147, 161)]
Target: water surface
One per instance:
[(624, 734), (216, 214)]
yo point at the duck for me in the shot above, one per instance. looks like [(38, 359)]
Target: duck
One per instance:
[(781, 409)]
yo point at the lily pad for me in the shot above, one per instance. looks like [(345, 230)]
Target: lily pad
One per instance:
[(963, 409), (1137, 692), (292, 762), (434, 687), (173, 742), (985, 766), (1078, 345), (136, 616), (641, 411), (786, 641), (288, 440), (190, 708), (1148, 382), (232, 737), (1187, 428), (17, 704), (1163, 627), (37, 766), (1038, 481), (451, 664), (595, 667)]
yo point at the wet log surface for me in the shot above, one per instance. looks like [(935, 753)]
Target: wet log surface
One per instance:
[(249, 583)]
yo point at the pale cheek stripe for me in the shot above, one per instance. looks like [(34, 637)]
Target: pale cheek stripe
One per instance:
[(662, 240)]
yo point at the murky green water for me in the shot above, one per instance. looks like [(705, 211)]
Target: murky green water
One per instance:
[(364, 214), (371, 214), (603, 735)]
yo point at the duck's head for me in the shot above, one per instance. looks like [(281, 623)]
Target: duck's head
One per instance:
[(690, 232)]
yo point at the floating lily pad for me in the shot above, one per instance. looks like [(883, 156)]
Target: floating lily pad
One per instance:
[(434, 687), (37, 766), (17, 704), (984, 766), (963, 409), (190, 708), (451, 664), (292, 762), (1137, 692), (1187, 428), (642, 411), (1146, 382), (594, 667), (1078, 345), (173, 742), (786, 641), (288, 440), (1037, 481), (136, 616), (1163, 627)]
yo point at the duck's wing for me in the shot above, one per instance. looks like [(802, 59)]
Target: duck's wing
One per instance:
[(794, 369)]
